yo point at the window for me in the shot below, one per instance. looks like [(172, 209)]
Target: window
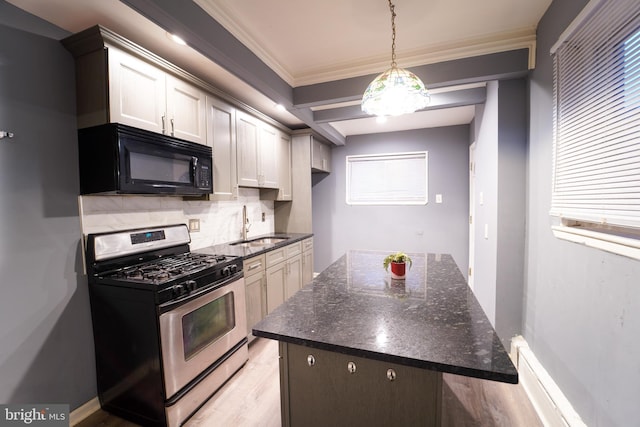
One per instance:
[(596, 181), (387, 179)]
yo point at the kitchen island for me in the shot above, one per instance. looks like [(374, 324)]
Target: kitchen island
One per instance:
[(359, 348)]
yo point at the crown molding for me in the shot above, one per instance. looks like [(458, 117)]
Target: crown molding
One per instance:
[(224, 18)]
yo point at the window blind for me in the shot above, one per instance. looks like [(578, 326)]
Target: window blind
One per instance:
[(387, 179), (596, 163)]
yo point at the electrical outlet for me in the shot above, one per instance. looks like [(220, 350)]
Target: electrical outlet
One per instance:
[(194, 225)]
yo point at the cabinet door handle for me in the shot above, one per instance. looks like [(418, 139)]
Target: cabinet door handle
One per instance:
[(254, 266), (173, 128), (5, 134), (391, 374), (311, 360), (163, 124)]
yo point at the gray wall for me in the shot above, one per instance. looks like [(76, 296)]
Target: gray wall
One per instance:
[(512, 172), (582, 311), (440, 228), (500, 134), (485, 136), (46, 354)]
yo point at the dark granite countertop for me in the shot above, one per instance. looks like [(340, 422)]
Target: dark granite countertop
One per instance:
[(430, 320), (249, 251)]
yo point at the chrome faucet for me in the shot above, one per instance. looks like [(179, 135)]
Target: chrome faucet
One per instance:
[(245, 223)]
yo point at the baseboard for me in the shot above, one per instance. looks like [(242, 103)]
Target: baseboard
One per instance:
[(82, 412), (550, 403)]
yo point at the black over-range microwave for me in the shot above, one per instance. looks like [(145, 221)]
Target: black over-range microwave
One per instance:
[(120, 159)]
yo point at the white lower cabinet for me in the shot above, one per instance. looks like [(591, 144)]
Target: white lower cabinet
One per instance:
[(273, 277), (307, 261), (284, 274), (276, 278), (293, 280), (254, 282)]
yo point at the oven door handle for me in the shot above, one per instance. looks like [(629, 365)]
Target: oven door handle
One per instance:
[(170, 305)]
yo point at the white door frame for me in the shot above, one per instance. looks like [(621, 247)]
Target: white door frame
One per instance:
[(472, 214)]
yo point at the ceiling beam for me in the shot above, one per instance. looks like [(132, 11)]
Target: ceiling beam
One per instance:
[(439, 100), (482, 68)]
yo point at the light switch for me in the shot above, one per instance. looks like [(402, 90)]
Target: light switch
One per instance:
[(438, 198)]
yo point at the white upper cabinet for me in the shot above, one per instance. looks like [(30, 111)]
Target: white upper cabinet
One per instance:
[(247, 134), (185, 111), (221, 136), (257, 152), (268, 141), (285, 191), (320, 156), (146, 97), (137, 92), (120, 82)]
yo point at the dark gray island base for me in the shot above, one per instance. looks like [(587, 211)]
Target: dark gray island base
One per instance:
[(358, 348)]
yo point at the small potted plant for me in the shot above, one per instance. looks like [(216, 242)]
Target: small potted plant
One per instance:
[(398, 262)]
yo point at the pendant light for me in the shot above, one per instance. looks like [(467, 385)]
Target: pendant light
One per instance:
[(396, 91)]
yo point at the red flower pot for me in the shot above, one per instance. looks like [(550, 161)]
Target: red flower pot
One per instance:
[(398, 270)]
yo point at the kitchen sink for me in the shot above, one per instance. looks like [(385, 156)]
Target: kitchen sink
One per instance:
[(264, 241)]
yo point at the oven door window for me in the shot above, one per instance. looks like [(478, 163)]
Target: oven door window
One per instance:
[(207, 324)]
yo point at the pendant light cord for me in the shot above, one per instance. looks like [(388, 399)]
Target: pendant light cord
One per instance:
[(393, 34)]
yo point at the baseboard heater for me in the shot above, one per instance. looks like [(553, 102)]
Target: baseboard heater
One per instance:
[(550, 403)]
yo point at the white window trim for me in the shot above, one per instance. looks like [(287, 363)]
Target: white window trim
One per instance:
[(625, 246)]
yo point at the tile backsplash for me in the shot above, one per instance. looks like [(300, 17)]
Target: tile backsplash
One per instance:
[(220, 222)]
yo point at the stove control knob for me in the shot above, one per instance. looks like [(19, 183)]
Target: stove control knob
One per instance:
[(233, 268), (191, 285), (179, 290), (226, 271)]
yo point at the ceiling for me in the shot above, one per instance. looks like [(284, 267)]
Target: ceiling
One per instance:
[(309, 42)]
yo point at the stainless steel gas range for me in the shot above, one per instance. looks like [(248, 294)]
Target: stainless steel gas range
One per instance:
[(169, 324)]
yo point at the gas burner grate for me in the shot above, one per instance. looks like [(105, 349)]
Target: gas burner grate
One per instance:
[(168, 268)]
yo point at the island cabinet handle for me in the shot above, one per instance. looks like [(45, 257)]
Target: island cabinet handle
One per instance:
[(311, 360), (391, 374), (351, 367)]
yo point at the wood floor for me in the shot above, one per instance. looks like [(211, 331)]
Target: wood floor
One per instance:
[(252, 398)]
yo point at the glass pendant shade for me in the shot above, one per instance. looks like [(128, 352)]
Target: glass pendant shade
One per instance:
[(396, 91)]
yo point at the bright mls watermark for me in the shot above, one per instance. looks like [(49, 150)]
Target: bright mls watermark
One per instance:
[(34, 415)]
